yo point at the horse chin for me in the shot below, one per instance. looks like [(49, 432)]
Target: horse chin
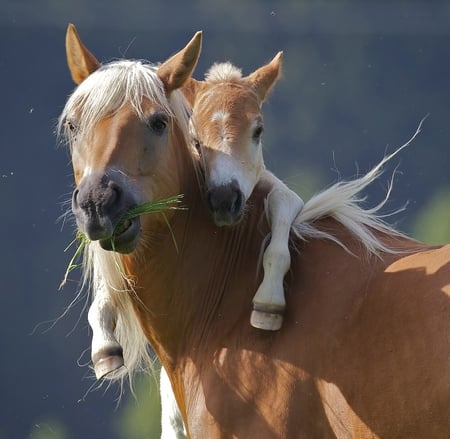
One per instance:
[(126, 241), (227, 219)]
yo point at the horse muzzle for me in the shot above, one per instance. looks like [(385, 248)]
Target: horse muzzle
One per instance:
[(226, 203), (99, 204)]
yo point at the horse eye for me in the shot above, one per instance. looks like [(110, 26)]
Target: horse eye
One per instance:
[(70, 125), (257, 133), (158, 123), (196, 144)]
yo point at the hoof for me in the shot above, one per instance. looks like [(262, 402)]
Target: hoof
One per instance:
[(107, 361), (268, 321)]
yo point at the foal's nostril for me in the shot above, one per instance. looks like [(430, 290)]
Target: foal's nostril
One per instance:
[(226, 199), (237, 203), (210, 201)]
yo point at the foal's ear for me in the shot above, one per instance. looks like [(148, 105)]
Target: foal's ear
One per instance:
[(263, 79), (81, 62), (190, 90), (177, 70)]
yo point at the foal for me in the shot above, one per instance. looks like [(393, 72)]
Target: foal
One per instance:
[(226, 127)]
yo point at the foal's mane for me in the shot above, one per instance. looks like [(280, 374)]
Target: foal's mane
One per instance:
[(125, 81), (223, 72)]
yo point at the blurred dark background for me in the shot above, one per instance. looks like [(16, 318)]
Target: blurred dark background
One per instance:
[(358, 78)]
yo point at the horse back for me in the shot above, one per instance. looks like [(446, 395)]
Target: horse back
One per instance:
[(363, 352), (372, 333)]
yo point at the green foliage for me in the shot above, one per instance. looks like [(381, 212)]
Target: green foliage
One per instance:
[(80, 241), (140, 415), (48, 429), (305, 182), (171, 203), (433, 221)]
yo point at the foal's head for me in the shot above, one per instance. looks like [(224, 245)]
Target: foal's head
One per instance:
[(226, 127), (124, 123)]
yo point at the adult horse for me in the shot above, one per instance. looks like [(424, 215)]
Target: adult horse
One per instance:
[(364, 347)]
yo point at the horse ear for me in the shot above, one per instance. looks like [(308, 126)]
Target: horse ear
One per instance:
[(263, 79), (81, 62), (190, 90), (177, 70)]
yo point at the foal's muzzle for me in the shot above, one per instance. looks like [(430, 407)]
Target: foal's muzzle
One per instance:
[(226, 203), (99, 204)]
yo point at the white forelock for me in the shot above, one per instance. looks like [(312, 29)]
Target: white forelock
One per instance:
[(221, 72), (111, 86)]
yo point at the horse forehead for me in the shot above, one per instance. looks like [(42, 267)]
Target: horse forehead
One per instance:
[(127, 118), (224, 114), (220, 102), (123, 120), (116, 136)]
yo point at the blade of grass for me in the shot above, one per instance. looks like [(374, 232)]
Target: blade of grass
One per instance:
[(80, 241), (171, 231), (171, 203)]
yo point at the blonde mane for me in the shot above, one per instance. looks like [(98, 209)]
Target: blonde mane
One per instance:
[(106, 90)]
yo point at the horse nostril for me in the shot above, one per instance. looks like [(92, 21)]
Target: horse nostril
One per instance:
[(209, 200), (237, 201), (115, 193), (225, 202), (224, 198), (75, 198)]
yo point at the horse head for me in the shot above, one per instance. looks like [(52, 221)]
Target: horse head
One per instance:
[(122, 127), (226, 127)]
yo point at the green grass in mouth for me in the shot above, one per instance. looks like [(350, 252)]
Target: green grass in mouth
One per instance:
[(81, 240)]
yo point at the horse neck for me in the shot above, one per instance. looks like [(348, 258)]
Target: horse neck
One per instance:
[(196, 292)]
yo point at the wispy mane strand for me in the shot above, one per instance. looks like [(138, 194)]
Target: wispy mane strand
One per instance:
[(342, 201)]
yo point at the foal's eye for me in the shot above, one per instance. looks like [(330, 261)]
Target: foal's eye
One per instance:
[(257, 133), (158, 123)]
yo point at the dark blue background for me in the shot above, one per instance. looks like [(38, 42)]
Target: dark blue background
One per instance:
[(358, 78)]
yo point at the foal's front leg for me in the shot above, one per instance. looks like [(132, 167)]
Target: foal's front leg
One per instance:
[(283, 206), (106, 352)]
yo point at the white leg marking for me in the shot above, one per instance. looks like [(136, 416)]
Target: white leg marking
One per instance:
[(172, 426), (106, 352), (269, 303)]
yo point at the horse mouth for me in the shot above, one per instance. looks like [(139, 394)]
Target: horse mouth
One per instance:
[(226, 203), (227, 219), (125, 236), (122, 228)]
